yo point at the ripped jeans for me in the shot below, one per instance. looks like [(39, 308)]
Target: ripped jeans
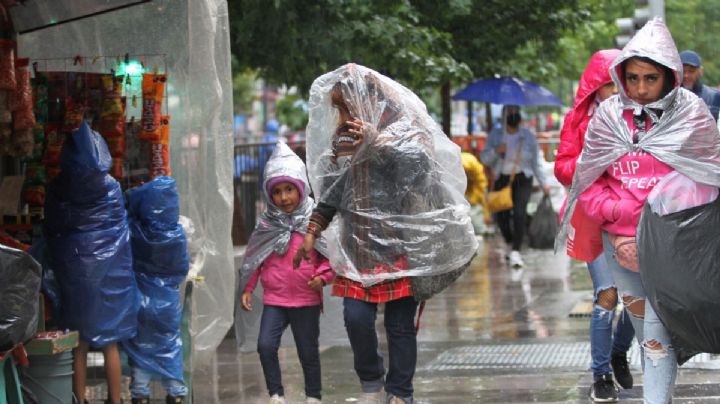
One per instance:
[(659, 362), (603, 342)]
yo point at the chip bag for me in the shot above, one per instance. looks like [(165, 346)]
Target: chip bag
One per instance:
[(7, 65), (153, 86), (160, 151)]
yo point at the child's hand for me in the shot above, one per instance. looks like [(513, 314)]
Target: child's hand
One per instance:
[(316, 283), (302, 253), (247, 301)]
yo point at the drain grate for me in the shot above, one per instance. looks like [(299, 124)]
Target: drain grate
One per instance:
[(566, 356), (514, 356)]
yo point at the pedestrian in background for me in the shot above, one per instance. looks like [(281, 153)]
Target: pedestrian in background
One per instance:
[(475, 191), (606, 349), (291, 296), (692, 73), (512, 149), (651, 128)]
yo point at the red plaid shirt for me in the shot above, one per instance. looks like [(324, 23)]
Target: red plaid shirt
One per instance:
[(382, 292)]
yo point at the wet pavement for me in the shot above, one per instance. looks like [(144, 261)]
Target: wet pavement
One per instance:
[(498, 335)]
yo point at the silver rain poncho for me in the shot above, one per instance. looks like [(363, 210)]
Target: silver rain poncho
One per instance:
[(273, 228), (400, 202), (684, 137)]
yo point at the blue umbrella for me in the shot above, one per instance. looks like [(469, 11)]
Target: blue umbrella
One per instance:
[(508, 91)]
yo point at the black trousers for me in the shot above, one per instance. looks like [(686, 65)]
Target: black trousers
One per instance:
[(513, 222)]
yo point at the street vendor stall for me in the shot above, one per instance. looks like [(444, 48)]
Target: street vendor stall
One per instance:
[(153, 78)]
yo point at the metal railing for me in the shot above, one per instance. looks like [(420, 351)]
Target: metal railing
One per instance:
[(250, 160)]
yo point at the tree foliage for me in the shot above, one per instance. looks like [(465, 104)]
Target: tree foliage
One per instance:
[(294, 41), (695, 24), (423, 43)]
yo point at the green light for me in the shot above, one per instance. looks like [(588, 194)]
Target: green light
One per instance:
[(131, 68)]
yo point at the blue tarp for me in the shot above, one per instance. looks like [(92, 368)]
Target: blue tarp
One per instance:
[(161, 264), (87, 236)]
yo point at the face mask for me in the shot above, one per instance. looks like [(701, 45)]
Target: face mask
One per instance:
[(513, 119)]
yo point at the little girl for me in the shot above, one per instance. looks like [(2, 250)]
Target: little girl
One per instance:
[(291, 296)]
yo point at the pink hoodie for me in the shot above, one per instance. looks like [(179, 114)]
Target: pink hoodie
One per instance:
[(285, 286), (617, 197)]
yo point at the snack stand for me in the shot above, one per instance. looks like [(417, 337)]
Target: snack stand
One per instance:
[(153, 78)]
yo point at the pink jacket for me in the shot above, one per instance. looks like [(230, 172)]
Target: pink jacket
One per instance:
[(572, 135), (285, 286), (617, 197)]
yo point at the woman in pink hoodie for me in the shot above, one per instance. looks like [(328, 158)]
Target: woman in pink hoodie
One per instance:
[(634, 139), (606, 349), (291, 296)]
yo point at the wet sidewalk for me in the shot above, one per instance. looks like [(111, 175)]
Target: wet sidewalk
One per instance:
[(498, 335)]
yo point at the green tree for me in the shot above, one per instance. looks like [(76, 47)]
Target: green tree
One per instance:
[(694, 24), (422, 43)]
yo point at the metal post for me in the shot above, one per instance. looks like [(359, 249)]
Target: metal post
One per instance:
[(657, 8)]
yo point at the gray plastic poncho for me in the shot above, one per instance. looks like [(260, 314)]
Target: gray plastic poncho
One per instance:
[(274, 227), (400, 202), (684, 136)]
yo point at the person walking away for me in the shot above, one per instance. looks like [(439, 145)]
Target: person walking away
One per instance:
[(651, 128), (510, 150), (606, 349), (291, 296), (692, 73)]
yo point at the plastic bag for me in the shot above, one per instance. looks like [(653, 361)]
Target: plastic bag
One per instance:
[(543, 226), (679, 258), (20, 278), (87, 235), (676, 192)]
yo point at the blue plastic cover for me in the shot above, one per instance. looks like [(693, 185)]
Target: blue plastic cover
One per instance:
[(87, 235), (161, 264)]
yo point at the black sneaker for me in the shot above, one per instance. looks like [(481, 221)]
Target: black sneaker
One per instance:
[(603, 390), (620, 368)]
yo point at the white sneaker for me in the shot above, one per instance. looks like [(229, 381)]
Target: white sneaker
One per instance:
[(372, 398), (277, 399), (516, 260), (312, 400)]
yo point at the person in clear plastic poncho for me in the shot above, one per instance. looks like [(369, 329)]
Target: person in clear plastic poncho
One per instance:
[(390, 189), (650, 129)]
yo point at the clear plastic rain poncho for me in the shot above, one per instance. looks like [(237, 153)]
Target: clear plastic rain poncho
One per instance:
[(684, 136), (399, 200)]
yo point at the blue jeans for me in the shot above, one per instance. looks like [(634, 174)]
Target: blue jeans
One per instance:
[(140, 384), (402, 345), (305, 325), (602, 341), (659, 365)]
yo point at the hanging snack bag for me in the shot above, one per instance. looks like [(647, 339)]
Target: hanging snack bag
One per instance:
[(5, 113), (111, 85), (21, 100), (112, 118), (74, 114), (116, 145), (160, 150), (153, 88), (7, 65), (55, 140)]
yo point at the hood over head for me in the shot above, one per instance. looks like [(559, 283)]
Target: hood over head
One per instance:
[(284, 165), (654, 42)]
